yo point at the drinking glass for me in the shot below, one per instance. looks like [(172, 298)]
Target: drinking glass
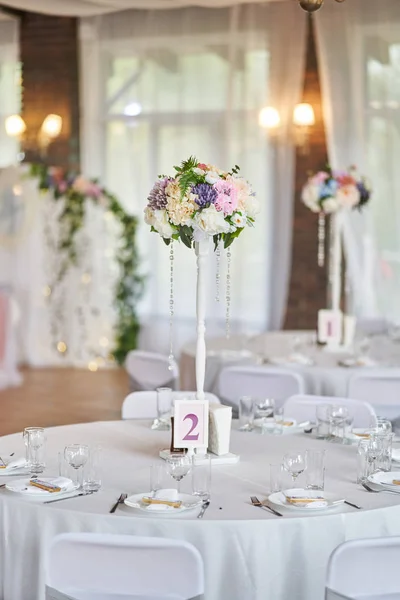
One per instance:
[(164, 406), (385, 460), (315, 469), (375, 451), (323, 421), (278, 421), (92, 470), (77, 455), (36, 448), (381, 426), (294, 464), (201, 476), (25, 436), (246, 413), (362, 461), (64, 469), (337, 419), (275, 478), (264, 409), (178, 466), (157, 473)]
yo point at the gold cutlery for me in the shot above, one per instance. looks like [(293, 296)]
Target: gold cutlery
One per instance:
[(255, 502)]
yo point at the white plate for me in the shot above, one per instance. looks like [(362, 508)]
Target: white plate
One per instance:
[(188, 503), (278, 499), (270, 425), (385, 479), (21, 486)]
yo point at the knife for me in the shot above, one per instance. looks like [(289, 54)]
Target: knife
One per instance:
[(68, 497)]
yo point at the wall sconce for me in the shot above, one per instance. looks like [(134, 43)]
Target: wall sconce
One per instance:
[(15, 126), (303, 118), (50, 129)]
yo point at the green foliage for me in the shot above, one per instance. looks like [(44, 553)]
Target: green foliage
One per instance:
[(130, 284), (186, 175)]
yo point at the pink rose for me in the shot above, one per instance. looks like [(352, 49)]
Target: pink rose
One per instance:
[(202, 166), (227, 197), (319, 178)]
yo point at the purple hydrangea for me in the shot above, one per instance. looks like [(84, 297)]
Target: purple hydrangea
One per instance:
[(206, 194), (157, 199)]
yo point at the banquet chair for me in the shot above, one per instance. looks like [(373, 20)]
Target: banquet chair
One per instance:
[(94, 566), (379, 387), (143, 405), (260, 382), (372, 326), (148, 371), (366, 569), (303, 407)]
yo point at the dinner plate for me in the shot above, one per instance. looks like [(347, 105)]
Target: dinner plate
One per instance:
[(357, 434), (333, 501), (22, 487), (270, 425), (385, 479), (189, 502)]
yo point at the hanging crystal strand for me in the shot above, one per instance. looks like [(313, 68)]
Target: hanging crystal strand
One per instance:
[(217, 274), (321, 239), (228, 294), (171, 306)]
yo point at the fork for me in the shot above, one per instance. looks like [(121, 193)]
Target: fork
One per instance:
[(206, 504), (255, 502), (370, 489), (120, 500)]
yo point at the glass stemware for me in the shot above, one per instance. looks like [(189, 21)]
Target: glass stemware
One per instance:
[(77, 456), (178, 466), (294, 464), (264, 409), (338, 416)]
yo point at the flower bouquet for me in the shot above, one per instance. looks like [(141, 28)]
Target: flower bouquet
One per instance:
[(201, 201), (329, 191)]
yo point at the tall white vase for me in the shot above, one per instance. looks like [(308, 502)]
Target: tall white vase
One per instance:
[(335, 270), (202, 250)]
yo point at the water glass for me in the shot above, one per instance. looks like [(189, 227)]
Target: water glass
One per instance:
[(384, 463), (275, 478), (338, 416), (36, 449), (323, 422), (278, 421), (375, 451), (363, 464), (178, 466), (92, 470), (164, 408), (246, 413), (201, 476), (64, 469), (264, 409), (157, 473), (315, 469), (381, 426), (77, 456)]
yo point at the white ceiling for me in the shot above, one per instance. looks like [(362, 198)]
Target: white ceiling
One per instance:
[(87, 8)]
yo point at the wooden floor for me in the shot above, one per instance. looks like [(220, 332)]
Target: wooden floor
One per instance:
[(62, 396)]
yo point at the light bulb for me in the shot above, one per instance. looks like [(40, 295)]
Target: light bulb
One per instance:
[(303, 115), (51, 126), (15, 126), (269, 117)]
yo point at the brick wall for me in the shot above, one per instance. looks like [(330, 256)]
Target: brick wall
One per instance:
[(308, 282), (49, 56)]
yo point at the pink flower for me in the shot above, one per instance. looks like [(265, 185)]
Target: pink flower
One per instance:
[(93, 190), (348, 196), (202, 166), (227, 197), (319, 178), (62, 187)]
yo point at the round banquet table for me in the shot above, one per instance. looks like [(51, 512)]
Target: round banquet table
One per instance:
[(248, 552), (325, 377)]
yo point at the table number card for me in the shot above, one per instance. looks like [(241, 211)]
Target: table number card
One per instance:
[(330, 327), (191, 424)]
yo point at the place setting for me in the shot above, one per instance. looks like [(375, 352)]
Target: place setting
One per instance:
[(262, 416)]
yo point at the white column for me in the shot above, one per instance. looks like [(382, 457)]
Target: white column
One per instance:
[(202, 250)]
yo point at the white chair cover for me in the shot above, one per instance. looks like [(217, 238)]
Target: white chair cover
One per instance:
[(303, 407), (366, 569), (143, 405), (379, 387), (81, 565), (260, 382), (372, 326), (148, 371)]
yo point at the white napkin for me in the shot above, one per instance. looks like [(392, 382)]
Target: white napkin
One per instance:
[(18, 463), (63, 482), (170, 494), (306, 494)]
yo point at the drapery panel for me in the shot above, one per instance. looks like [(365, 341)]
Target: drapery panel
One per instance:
[(9, 87), (159, 86), (359, 52)]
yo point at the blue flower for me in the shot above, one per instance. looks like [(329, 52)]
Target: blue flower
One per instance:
[(328, 189), (206, 194)]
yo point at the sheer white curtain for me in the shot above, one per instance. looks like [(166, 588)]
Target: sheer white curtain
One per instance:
[(359, 51), (159, 86), (10, 88)]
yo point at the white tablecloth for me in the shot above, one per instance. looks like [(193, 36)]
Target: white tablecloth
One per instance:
[(248, 552), (324, 378)]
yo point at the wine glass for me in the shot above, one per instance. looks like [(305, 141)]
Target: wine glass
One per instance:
[(77, 456), (178, 466), (265, 408), (338, 415), (294, 464)]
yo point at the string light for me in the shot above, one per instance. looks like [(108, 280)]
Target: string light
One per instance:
[(46, 291), (171, 308), (61, 347), (93, 366)]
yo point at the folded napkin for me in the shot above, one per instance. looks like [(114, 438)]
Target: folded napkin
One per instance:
[(169, 495), (18, 463), (62, 482), (305, 498)]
